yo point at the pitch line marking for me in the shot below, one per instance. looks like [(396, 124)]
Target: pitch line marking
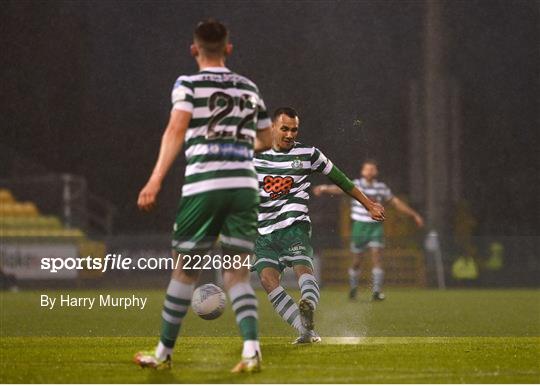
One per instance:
[(409, 339)]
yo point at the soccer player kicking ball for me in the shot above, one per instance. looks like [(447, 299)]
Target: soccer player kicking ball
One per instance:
[(367, 232), (221, 117), (284, 225)]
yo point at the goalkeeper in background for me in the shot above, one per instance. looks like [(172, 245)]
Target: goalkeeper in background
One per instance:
[(284, 225), (367, 233)]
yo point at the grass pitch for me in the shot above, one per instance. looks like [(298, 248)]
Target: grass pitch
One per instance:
[(413, 336)]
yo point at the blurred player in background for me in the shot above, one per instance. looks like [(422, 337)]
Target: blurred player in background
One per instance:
[(222, 118), (284, 225), (367, 233)]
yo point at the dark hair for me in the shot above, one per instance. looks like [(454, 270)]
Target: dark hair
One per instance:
[(288, 111), (370, 161), (212, 37)]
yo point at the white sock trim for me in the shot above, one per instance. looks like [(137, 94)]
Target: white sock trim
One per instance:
[(240, 289), (377, 271), (180, 290), (355, 273), (162, 351), (251, 347), (378, 278)]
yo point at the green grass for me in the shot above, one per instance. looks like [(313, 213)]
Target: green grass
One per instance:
[(414, 336)]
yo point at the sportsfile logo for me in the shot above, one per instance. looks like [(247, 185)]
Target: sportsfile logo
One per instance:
[(112, 262)]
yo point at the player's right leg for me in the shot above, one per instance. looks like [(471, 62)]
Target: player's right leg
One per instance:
[(237, 238), (244, 304)]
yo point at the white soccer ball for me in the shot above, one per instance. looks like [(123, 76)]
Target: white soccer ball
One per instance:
[(208, 301)]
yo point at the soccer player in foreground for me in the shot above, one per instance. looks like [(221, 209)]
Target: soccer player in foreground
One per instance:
[(367, 233), (222, 118), (284, 225)]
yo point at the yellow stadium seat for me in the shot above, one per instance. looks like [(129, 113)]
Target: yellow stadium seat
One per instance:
[(73, 233), (18, 209), (6, 196), (29, 208), (23, 220), (8, 209)]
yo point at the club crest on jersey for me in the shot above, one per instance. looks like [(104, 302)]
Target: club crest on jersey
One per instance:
[(296, 164)]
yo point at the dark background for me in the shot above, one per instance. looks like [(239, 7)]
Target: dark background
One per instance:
[(86, 89)]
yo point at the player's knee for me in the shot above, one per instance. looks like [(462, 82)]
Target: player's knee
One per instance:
[(376, 260), (269, 280), (300, 269), (231, 277), (185, 276)]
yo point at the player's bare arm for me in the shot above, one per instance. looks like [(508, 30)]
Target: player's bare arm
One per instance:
[(171, 145), (374, 208), (263, 140), (406, 209)]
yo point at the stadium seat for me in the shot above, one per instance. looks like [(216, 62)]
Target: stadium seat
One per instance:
[(23, 220), (6, 197), (18, 209)]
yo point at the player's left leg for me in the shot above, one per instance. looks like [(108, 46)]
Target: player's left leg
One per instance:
[(310, 295), (175, 307), (375, 236), (299, 254), (358, 244), (377, 273), (354, 273)]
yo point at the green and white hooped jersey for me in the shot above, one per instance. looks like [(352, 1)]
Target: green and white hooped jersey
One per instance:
[(227, 110), (284, 183), (376, 191)]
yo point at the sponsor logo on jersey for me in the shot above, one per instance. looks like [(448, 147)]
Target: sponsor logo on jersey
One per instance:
[(226, 149), (277, 186), (297, 249)]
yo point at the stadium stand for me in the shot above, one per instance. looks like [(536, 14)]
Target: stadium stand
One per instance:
[(22, 219), (22, 224)]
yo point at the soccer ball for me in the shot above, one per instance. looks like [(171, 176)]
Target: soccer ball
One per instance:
[(208, 301)]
